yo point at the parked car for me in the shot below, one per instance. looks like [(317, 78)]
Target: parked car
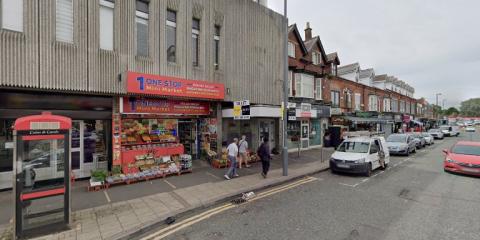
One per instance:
[(464, 158), (436, 133), (429, 139), (401, 144), (361, 154), (419, 140), (470, 129)]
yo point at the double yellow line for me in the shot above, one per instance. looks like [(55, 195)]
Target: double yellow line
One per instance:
[(205, 215)]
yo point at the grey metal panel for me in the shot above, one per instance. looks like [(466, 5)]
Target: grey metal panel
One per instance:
[(250, 48), (19, 51)]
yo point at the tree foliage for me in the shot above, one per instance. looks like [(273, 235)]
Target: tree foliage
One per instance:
[(471, 108)]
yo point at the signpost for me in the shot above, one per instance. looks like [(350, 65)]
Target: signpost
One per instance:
[(241, 110)]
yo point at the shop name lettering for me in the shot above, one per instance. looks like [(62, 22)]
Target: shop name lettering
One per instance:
[(43, 132), (152, 84)]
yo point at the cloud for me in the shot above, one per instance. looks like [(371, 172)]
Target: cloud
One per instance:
[(434, 45)]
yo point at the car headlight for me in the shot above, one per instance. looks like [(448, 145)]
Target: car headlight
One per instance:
[(450, 160), (360, 160)]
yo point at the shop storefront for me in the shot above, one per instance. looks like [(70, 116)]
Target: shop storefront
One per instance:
[(263, 122), (155, 136), (91, 127), (307, 128)]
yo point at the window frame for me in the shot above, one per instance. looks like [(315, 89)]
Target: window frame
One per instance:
[(20, 19), (216, 45), (307, 87), (335, 98), (291, 49), (196, 42), (318, 89), (109, 4), (358, 104), (72, 37), (171, 23)]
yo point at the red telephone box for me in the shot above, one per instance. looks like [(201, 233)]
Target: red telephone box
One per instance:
[(41, 166)]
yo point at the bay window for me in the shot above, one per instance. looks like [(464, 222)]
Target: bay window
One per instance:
[(304, 85)]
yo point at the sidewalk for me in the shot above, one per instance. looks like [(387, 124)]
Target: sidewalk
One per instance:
[(119, 219)]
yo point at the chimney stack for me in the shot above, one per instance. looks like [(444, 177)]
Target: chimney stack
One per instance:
[(308, 32)]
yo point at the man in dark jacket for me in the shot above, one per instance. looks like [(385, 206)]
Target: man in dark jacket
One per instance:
[(264, 154)]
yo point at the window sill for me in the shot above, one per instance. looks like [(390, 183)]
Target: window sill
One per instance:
[(11, 32), (143, 58), (61, 44)]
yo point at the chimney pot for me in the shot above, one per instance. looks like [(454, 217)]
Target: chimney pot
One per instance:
[(308, 32)]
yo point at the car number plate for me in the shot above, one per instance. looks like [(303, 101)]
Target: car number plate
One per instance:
[(343, 166)]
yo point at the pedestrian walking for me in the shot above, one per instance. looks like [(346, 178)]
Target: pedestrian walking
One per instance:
[(232, 151), (264, 154), (243, 150)]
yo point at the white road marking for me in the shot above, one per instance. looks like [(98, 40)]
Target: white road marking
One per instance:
[(170, 184), (366, 179), (348, 185), (106, 196), (211, 175)]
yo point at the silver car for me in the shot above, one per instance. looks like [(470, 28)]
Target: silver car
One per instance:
[(428, 138), (436, 133), (401, 144)]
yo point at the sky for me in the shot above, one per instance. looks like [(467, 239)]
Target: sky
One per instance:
[(433, 45)]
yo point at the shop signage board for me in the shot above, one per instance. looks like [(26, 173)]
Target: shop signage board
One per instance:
[(306, 110), (291, 113), (323, 112), (164, 106), (171, 86), (241, 110), (336, 111)]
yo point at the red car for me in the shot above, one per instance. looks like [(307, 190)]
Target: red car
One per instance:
[(463, 157)]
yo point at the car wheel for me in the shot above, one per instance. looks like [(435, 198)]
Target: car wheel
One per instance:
[(408, 152), (368, 173)]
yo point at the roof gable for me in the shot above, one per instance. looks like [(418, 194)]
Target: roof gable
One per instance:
[(293, 29), (333, 57), (316, 41)]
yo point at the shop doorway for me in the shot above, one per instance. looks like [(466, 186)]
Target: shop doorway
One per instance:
[(188, 135), (88, 147), (267, 129), (305, 128)]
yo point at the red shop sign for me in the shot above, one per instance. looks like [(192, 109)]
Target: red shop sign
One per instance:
[(161, 106), (171, 86)]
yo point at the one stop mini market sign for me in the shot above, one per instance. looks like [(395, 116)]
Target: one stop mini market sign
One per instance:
[(171, 86)]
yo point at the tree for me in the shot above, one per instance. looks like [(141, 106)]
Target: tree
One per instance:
[(451, 111), (471, 107)]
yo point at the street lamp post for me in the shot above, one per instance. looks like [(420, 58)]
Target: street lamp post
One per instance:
[(285, 91)]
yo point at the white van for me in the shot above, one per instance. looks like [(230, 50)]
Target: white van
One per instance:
[(360, 154), (450, 131)]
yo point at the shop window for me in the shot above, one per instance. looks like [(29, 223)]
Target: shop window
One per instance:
[(106, 24), (293, 134), (12, 15), (171, 36), (195, 41), (291, 49), (6, 145), (64, 21), (141, 21), (216, 46)]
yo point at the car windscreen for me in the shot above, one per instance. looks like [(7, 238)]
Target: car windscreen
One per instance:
[(397, 138), (354, 147), (426, 135), (433, 130), (466, 150)]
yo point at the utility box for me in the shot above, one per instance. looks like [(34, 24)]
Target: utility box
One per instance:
[(41, 167)]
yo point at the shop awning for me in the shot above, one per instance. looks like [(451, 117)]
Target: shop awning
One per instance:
[(359, 120)]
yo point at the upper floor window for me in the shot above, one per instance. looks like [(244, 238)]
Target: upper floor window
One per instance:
[(141, 20), (171, 36), (316, 58), (12, 15), (291, 49), (386, 105), (348, 100), (304, 85), (335, 98), (318, 88), (195, 41), (373, 103), (334, 69), (64, 21), (358, 101), (290, 82), (216, 46), (106, 24)]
